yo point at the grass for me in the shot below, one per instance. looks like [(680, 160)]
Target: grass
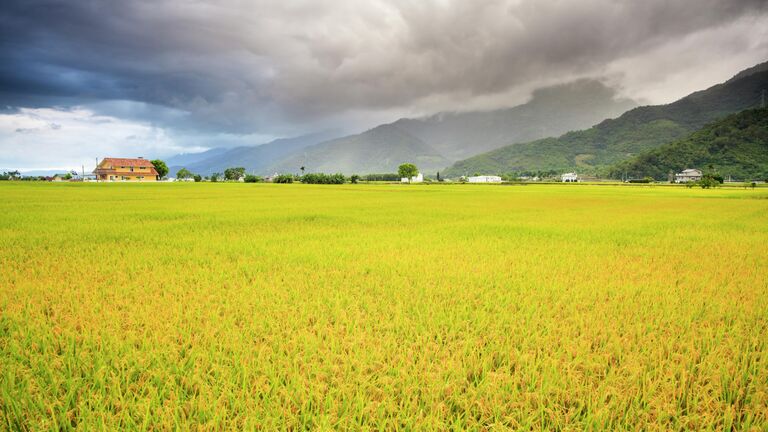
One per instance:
[(243, 306)]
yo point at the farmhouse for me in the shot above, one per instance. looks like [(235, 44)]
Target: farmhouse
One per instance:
[(688, 175), (569, 178), (121, 169), (484, 179), (415, 179)]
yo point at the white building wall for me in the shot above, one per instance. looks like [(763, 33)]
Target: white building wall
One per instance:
[(484, 179), (416, 179)]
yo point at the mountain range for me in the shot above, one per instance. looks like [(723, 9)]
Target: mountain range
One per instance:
[(432, 142), (641, 129), (518, 139)]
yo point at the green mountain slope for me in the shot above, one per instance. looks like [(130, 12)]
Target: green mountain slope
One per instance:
[(596, 149), (735, 146), (550, 112)]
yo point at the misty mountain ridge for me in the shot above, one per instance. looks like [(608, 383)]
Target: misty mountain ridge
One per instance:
[(434, 142), (381, 149), (253, 158), (761, 67), (184, 159), (551, 111)]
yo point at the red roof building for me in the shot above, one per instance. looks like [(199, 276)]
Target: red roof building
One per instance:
[(122, 169)]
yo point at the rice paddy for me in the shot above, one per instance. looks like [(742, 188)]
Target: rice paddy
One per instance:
[(382, 307)]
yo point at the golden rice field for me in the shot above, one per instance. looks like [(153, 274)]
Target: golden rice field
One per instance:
[(382, 307)]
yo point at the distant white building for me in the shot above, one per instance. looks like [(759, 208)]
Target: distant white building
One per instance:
[(484, 179), (83, 177), (419, 178), (569, 178), (688, 175)]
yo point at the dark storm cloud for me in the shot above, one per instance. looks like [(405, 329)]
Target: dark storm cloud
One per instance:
[(272, 65)]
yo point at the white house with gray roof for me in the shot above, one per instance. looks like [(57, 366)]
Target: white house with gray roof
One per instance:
[(688, 175)]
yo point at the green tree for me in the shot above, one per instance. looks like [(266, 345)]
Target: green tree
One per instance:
[(234, 173), (198, 178), (184, 173), (215, 176), (250, 178), (407, 170), (708, 182), (354, 178), (160, 167)]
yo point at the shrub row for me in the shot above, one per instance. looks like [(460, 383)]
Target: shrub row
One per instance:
[(321, 178), (382, 177)]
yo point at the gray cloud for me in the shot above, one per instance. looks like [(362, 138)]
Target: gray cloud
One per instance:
[(280, 68)]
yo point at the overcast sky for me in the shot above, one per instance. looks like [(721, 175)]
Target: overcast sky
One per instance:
[(86, 79)]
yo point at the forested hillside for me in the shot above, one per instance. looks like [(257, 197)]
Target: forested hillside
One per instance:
[(735, 146)]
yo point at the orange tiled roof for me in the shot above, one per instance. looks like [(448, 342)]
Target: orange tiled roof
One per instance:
[(118, 163), (128, 162)]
